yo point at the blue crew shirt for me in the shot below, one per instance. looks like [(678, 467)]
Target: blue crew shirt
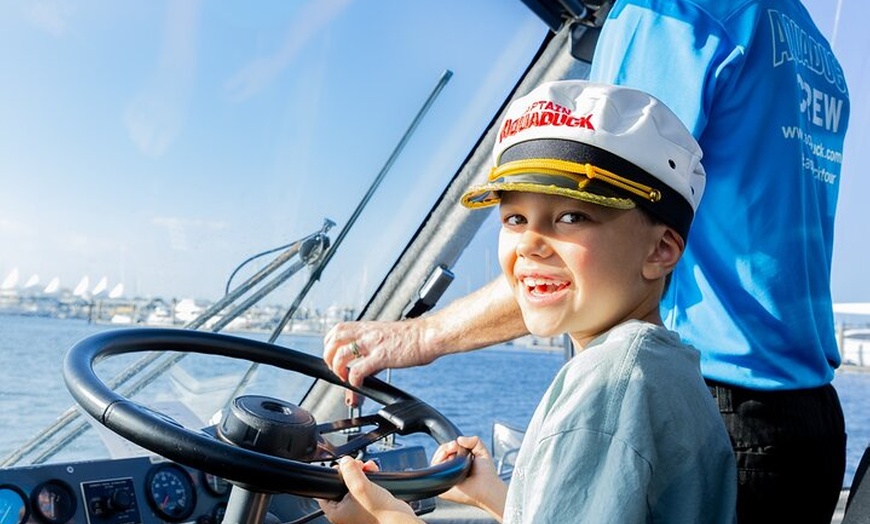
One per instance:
[(761, 90)]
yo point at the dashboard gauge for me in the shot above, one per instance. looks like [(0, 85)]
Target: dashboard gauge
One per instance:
[(215, 485), (170, 492), (13, 505), (218, 512), (53, 502)]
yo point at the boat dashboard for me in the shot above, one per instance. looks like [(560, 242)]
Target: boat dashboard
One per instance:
[(149, 489)]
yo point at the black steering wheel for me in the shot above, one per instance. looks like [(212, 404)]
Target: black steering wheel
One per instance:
[(300, 466)]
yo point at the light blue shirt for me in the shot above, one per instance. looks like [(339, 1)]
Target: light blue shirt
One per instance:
[(758, 85), (627, 432)]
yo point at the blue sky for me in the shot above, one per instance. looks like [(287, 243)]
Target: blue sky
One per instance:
[(841, 22), (160, 143)]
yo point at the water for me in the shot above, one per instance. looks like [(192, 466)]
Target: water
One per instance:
[(472, 389), (463, 387)]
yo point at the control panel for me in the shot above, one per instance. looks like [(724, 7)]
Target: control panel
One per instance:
[(149, 489), (134, 490)]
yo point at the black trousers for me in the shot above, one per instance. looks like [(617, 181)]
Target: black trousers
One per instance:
[(790, 448)]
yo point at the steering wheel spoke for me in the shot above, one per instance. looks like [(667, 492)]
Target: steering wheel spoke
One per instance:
[(357, 440)]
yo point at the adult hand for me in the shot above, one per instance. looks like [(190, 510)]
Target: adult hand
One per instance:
[(374, 346), (487, 316), (482, 487), (365, 502)]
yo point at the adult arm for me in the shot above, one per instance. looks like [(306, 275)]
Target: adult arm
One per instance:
[(485, 317)]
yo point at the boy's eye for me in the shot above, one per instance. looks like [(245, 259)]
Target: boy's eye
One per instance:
[(513, 220), (573, 217)]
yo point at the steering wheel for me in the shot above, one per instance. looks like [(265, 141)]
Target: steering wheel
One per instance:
[(229, 451)]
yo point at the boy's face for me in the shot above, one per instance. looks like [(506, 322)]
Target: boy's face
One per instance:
[(576, 267)]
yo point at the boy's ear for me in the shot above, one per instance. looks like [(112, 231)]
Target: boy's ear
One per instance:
[(665, 254)]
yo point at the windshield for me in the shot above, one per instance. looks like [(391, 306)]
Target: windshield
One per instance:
[(147, 149)]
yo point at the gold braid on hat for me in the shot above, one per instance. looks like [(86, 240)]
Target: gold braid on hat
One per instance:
[(580, 173)]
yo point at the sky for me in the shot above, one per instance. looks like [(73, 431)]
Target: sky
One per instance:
[(159, 144), (841, 22)]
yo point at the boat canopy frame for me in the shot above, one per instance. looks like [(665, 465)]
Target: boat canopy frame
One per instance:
[(449, 227)]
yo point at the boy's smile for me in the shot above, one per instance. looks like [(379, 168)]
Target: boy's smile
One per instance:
[(542, 286), (577, 267)]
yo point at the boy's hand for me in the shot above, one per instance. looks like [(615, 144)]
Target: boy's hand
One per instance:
[(365, 502), (482, 487)]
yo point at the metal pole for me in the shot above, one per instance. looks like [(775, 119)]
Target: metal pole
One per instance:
[(315, 273)]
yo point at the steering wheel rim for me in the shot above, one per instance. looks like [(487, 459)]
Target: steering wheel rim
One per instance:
[(254, 470)]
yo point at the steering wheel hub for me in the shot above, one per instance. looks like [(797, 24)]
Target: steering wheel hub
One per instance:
[(270, 425)]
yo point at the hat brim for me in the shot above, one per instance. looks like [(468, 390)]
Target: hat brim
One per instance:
[(487, 195)]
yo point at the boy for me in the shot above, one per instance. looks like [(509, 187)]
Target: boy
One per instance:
[(597, 187)]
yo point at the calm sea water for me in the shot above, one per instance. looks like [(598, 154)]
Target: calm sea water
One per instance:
[(474, 389)]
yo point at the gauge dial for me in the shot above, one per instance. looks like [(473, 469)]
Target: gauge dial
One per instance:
[(216, 485), (13, 505), (170, 492), (218, 512), (53, 502)]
